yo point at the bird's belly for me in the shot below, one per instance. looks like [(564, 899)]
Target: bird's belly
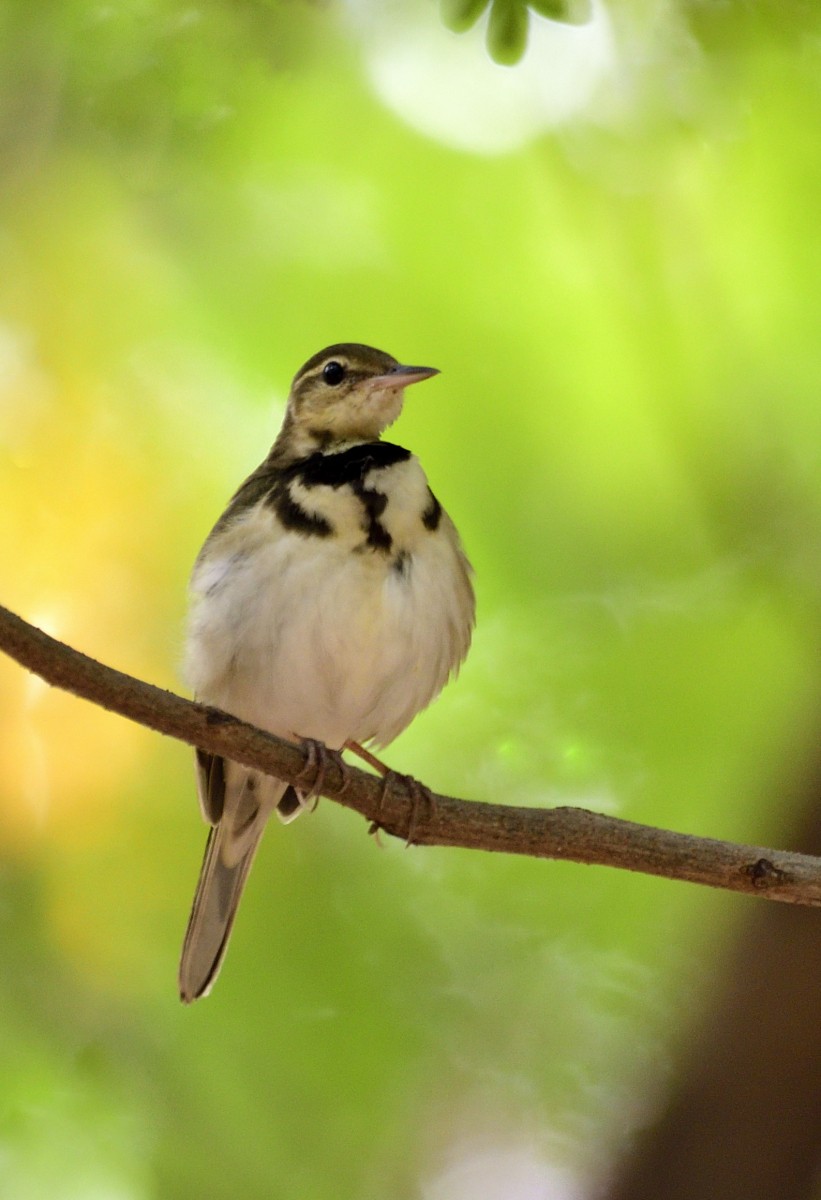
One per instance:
[(321, 642)]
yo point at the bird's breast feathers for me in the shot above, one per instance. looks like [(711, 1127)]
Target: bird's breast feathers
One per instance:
[(336, 605)]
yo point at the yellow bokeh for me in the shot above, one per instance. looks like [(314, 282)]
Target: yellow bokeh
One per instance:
[(71, 529)]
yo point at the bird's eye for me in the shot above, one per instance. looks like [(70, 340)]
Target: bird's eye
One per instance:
[(333, 373)]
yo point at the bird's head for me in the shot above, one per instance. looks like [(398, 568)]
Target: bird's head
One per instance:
[(348, 392)]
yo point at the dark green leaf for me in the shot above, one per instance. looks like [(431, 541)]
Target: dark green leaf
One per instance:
[(459, 15), (507, 31), (570, 12)]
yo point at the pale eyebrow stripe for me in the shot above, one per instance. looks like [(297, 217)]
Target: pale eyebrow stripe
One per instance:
[(315, 372)]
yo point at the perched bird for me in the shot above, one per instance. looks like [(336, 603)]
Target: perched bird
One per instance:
[(331, 601)]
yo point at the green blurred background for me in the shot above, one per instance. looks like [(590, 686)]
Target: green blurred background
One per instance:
[(611, 250)]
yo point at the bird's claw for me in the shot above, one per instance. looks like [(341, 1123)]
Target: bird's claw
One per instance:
[(315, 769), (419, 794)]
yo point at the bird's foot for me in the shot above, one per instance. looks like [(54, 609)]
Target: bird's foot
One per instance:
[(419, 795), (315, 769)]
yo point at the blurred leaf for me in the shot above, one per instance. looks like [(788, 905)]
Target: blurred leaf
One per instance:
[(507, 31), (460, 15), (573, 12)]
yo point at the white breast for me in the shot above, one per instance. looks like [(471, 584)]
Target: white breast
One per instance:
[(317, 637)]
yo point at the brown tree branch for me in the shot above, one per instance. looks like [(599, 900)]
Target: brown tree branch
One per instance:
[(561, 833)]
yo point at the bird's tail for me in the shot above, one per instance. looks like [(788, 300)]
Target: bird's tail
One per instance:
[(215, 905)]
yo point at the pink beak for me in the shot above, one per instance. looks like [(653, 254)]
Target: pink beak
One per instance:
[(400, 376)]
